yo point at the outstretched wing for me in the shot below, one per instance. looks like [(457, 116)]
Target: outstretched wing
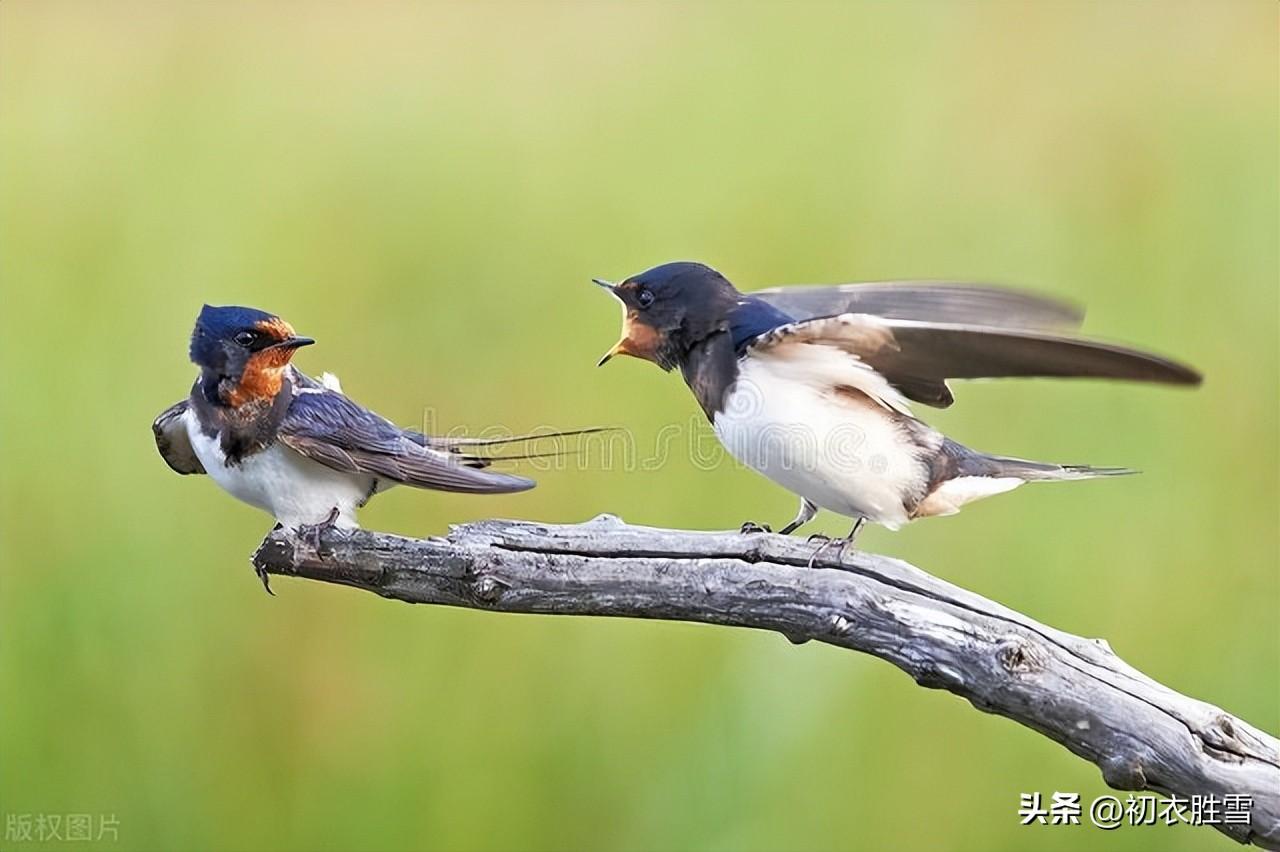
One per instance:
[(918, 357), (327, 427), (173, 442), (927, 301)]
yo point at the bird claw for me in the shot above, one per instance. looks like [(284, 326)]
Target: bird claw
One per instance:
[(311, 533), (308, 533), (818, 537), (841, 545), (751, 527), (261, 571)]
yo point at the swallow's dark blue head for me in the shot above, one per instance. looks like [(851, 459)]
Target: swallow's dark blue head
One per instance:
[(669, 309), (243, 351)]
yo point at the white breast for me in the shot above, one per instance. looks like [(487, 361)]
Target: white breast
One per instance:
[(293, 488), (841, 449)]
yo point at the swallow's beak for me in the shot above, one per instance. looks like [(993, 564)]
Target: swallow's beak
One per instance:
[(618, 348), (292, 343)]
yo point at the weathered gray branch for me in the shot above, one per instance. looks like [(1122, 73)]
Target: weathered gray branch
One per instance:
[(1142, 735)]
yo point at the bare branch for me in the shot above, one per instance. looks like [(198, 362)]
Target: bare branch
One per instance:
[(1142, 735)]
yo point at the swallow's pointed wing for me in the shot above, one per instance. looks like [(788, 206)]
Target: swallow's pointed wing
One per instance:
[(327, 427), (927, 301), (918, 357), (172, 440)]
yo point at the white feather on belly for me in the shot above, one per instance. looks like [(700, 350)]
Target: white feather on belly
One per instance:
[(293, 488), (841, 449)]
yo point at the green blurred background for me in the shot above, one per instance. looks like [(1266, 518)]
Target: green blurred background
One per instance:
[(426, 190)]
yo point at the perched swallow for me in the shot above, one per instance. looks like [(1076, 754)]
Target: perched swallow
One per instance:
[(296, 447), (812, 386)]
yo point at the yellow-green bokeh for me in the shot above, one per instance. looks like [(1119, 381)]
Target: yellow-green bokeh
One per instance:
[(426, 189)]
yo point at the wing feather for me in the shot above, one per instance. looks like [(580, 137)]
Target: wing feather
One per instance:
[(329, 428), (928, 301), (173, 442), (918, 357)]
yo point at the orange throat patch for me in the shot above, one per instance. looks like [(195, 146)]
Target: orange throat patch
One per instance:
[(262, 378), (639, 340)]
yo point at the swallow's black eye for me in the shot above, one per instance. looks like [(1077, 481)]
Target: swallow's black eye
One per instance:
[(644, 298), (246, 338)]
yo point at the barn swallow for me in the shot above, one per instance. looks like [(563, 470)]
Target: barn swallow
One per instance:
[(813, 386), (296, 447)]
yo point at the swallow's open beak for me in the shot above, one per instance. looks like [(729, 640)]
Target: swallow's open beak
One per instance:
[(292, 343), (618, 348)]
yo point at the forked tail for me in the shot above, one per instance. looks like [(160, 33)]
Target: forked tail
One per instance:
[(960, 475), (967, 462), (1031, 471)]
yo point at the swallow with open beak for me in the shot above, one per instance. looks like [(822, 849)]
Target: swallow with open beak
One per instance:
[(813, 386)]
